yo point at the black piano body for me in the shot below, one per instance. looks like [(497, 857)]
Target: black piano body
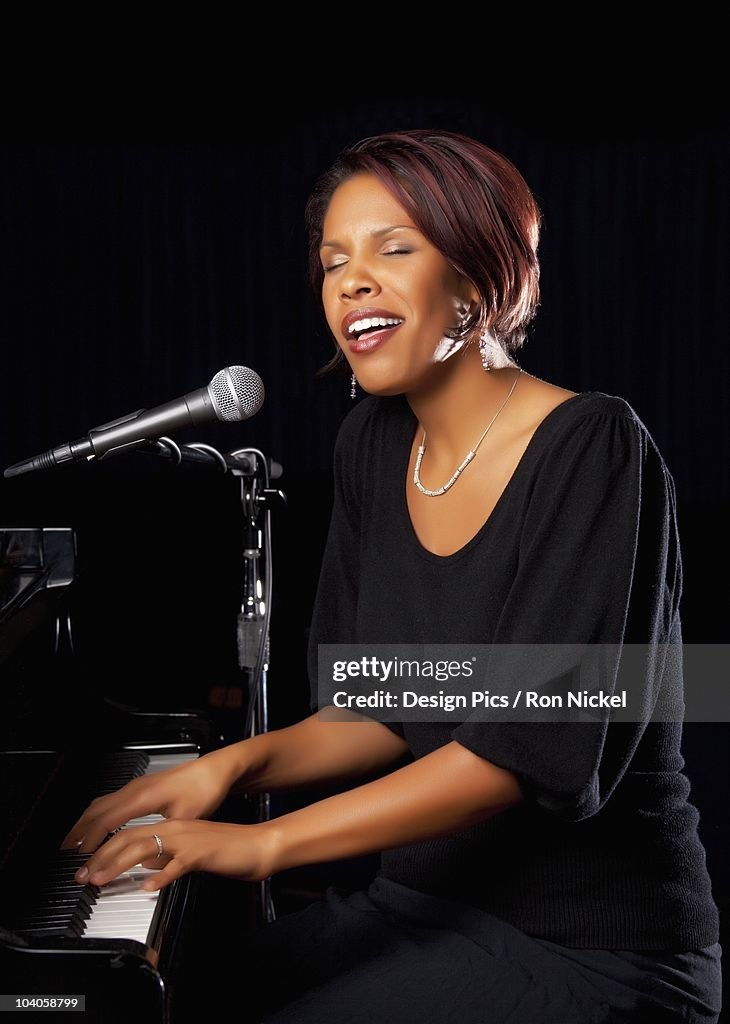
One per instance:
[(58, 749)]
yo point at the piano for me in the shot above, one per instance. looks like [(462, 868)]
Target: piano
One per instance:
[(120, 947)]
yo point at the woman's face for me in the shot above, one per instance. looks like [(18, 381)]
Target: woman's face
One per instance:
[(388, 294)]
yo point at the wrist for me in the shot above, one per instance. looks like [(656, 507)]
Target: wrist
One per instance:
[(298, 838), (272, 849), (232, 763)]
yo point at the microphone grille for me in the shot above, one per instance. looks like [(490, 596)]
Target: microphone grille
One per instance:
[(237, 393)]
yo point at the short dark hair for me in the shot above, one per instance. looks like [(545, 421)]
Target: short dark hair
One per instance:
[(471, 203)]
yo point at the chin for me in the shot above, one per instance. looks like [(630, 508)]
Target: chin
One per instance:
[(382, 389), (389, 392), (380, 379)]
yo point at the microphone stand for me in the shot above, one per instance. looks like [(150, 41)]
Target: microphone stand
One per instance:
[(255, 473), (242, 462), (253, 630)]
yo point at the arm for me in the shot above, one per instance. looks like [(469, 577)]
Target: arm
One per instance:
[(443, 792), (311, 751), (446, 791)]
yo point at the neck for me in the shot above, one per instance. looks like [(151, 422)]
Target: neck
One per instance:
[(455, 411)]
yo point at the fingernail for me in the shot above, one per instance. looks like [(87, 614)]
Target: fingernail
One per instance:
[(82, 874)]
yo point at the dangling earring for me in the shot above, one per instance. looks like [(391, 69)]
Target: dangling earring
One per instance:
[(484, 352), (353, 386), (489, 350)]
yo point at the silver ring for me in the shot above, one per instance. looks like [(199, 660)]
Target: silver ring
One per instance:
[(160, 847)]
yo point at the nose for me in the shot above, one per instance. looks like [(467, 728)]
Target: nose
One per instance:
[(357, 280)]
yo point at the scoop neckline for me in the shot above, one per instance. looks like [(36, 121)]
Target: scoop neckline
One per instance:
[(405, 479)]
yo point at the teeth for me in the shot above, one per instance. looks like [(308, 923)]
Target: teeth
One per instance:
[(376, 321)]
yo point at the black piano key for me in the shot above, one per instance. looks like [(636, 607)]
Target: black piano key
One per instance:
[(64, 887), (60, 887), (74, 923), (59, 904), (60, 874), (46, 914), (69, 931), (69, 907), (65, 902)]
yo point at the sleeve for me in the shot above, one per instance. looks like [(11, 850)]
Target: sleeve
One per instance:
[(334, 615), (599, 564)]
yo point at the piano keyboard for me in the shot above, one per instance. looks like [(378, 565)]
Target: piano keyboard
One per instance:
[(119, 910)]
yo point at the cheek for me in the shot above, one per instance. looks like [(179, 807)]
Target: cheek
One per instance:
[(330, 311), (440, 312), (438, 296)]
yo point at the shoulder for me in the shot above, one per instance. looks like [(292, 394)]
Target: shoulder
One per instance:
[(601, 440), (593, 404), (549, 411), (596, 418)]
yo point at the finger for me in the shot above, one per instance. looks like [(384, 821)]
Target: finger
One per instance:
[(105, 816), (93, 825), (93, 835), (117, 856), (76, 835), (155, 863), (173, 869)]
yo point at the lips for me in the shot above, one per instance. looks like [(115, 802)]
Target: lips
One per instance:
[(366, 328)]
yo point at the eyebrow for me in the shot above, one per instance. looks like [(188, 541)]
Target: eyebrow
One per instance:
[(334, 244)]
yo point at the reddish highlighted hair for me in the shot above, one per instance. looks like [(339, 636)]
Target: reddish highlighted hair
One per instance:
[(470, 202)]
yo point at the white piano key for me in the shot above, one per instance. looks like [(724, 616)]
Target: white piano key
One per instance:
[(138, 932), (123, 909), (148, 820), (99, 927), (121, 925), (136, 896)]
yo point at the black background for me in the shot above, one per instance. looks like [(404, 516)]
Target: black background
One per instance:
[(131, 272)]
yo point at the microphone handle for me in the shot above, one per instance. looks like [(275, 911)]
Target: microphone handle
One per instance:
[(148, 424)]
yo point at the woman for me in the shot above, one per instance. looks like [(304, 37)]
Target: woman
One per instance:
[(531, 871)]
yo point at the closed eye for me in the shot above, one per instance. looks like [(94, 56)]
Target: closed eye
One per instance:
[(388, 252)]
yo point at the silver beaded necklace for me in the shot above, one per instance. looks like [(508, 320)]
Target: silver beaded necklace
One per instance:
[(450, 483)]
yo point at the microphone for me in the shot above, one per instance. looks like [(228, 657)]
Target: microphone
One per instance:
[(234, 394)]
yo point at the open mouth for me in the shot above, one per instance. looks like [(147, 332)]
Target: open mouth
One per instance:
[(370, 331), (369, 324)]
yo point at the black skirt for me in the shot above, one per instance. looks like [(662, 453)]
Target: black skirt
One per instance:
[(392, 955)]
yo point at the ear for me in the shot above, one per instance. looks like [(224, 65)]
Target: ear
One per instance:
[(468, 294), (467, 308)]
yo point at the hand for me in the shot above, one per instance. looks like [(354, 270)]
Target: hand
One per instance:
[(192, 790), (238, 851)]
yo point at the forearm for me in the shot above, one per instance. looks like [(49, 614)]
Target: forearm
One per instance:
[(310, 752), (446, 791)]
